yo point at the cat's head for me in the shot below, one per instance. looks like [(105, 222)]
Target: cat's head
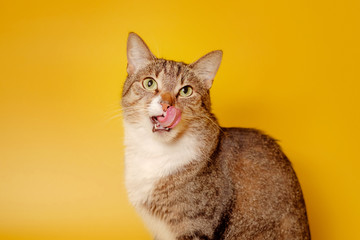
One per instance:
[(168, 98)]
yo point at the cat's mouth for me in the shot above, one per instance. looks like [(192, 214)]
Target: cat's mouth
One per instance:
[(167, 121), (157, 125)]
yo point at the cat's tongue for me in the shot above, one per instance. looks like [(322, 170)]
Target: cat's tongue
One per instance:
[(171, 119)]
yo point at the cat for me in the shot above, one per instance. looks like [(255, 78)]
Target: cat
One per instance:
[(189, 178)]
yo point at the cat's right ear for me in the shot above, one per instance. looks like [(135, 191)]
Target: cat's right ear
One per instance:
[(206, 67), (138, 53)]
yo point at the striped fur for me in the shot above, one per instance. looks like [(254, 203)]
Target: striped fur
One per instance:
[(198, 180)]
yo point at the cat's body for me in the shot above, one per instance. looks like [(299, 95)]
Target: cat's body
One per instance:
[(187, 177)]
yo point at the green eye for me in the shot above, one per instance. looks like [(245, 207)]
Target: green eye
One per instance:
[(150, 84), (186, 91)]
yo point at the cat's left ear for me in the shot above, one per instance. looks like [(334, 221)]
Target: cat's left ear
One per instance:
[(138, 53), (207, 66)]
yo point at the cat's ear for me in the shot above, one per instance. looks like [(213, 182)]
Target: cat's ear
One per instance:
[(138, 53), (206, 67)]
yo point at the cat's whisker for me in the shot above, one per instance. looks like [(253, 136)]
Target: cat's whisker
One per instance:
[(215, 124), (117, 116), (115, 113), (112, 112)]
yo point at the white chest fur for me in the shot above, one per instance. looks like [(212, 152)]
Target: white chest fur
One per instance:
[(147, 160)]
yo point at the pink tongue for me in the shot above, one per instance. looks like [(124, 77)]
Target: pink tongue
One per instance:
[(171, 119)]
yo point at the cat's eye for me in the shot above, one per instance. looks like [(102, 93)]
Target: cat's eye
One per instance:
[(150, 84), (186, 91)]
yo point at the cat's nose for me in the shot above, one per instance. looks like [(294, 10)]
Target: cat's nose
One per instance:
[(166, 101), (165, 106)]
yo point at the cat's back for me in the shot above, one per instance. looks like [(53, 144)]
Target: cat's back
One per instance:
[(267, 193), (248, 148)]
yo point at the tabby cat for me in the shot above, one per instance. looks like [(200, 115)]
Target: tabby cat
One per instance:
[(188, 177)]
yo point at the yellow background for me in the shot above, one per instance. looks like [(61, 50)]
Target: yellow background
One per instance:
[(290, 68)]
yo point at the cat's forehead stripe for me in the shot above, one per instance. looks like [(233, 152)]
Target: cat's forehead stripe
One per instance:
[(164, 67), (170, 70), (159, 67), (178, 70)]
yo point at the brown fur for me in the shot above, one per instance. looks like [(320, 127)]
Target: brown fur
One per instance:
[(246, 190), (242, 186)]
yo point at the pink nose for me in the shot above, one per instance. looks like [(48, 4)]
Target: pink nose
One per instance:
[(166, 101), (165, 106)]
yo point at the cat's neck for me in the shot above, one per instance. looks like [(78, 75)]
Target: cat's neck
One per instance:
[(190, 146), (147, 159)]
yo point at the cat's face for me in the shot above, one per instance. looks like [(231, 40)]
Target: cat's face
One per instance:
[(167, 98)]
